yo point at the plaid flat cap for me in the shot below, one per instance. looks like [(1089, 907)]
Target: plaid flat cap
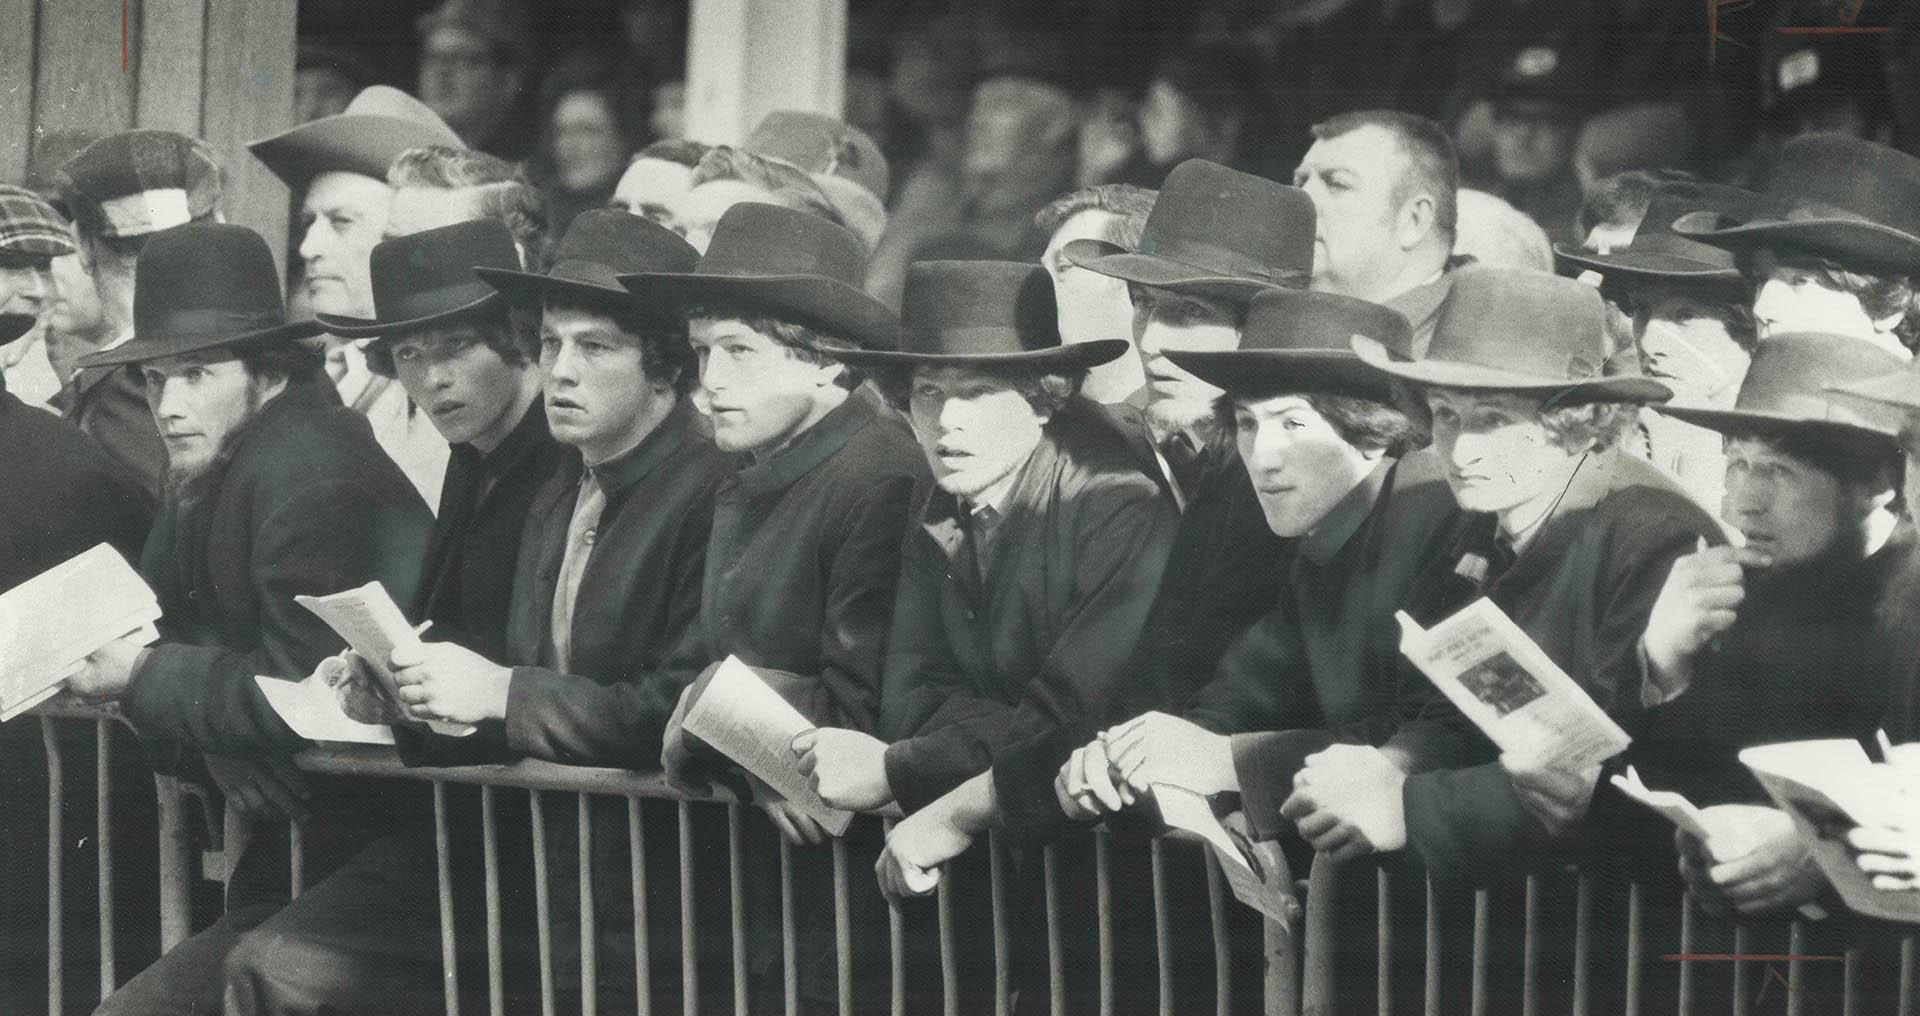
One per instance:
[(29, 226), (143, 181)]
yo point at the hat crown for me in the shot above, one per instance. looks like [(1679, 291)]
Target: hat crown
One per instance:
[(431, 272), (1232, 223), (978, 308), (1790, 375), (602, 244), (146, 180), (205, 280), (755, 239), (818, 143), (1301, 320), (386, 100), (1523, 322), (1672, 201), (1835, 175)]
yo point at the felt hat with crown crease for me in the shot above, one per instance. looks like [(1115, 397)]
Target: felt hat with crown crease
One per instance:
[(427, 278), (1789, 386), (202, 286), (1839, 197), (1657, 252), (1296, 340), (1899, 388), (785, 263), (821, 144), (599, 246), (379, 124), (1524, 332), (1215, 232), (984, 314)]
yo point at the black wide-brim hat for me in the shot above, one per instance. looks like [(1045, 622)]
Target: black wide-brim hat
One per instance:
[(983, 314), (12, 326), (1518, 331), (380, 123), (202, 286), (1789, 386), (1657, 252), (1840, 197), (427, 278), (1213, 232), (1298, 341), (600, 246), (785, 263)]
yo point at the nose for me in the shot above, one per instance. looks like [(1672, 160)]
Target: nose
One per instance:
[(1768, 301), (311, 242), (168, 400), (438, 377), (1150, 337), (714, 374), (561, 372)]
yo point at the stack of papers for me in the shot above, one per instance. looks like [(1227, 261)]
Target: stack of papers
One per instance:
[(50, 623), (1828, 787)]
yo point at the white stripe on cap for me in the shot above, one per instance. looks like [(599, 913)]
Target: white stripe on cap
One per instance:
[(146, 212)]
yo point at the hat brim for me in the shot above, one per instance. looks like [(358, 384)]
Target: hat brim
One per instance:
[(373, 328), (1459, 375), (1646, 265), (1901, 388), (1851, 241), (832, 306), (1272, 371), (1162, 272), (1746, 421), (363, 143), (532, 287), (1073, 355), (141, 350), (12, 326)]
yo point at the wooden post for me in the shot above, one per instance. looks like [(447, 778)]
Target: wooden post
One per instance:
[(745, 59)]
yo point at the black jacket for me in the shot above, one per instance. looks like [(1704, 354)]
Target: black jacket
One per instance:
[(61, 495), (110, 406)]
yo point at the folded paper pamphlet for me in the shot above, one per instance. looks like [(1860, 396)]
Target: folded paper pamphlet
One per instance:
[(1510, 688), (312, 708), (1257, 872), (748, 722), (54, 620), (1828, 787), (374, 626), (1675, 808)]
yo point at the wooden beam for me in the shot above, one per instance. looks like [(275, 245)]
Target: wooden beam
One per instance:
[(745, 59), (248, 94), (169, 52), (16, 91), (78, 83)]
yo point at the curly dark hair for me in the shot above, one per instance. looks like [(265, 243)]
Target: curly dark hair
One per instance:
[(1047, 390), (803, 342), (664, 352), (1396, 426), (511, 332)]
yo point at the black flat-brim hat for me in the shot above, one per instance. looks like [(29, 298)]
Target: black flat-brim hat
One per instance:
[(599, 247), (12, 326), (1657, 252), (1214, 232), (1899, 389), (1787, 389), (202, 286), (379, 124), (1298, 341), (1523, 332), (1843, 198), (427, 278), (984, 314)]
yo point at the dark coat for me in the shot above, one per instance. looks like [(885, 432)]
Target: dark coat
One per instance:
[(637, 599), (975, 668), (61, 495), (110, 406), (305, 503), (1583, 589)]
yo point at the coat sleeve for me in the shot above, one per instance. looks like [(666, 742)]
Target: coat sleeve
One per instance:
[(1121, 540), (204, 697)]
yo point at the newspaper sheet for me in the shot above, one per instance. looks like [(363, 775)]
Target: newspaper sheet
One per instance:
[(374, 626), (312, 708), (1257, 872), (748, 722), (53, 621)]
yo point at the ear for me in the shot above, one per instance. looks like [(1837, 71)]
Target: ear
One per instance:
[(1415, 221)]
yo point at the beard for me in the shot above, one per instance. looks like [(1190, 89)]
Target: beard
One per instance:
[(189, 482)]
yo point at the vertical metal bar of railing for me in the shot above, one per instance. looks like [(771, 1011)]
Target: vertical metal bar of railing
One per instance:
[(689, 967), (1741, 947), (1282, 983), (997, 894), (1796, 968), (1850, 983), (1686, 972), (842, 929), (1909, 960), (896, 952), (1383, 942), (296, 860), (1317, 990), (542, 904), (1530, 948), (443, 871), (103, 845), (789, 976), (175, 910), (490, 851), (1217, 919), (589, 931), (1162, 945), (56, 809), (1056, 959), (1636, 948), (1103, 907), (1482, 901), (949, 963), (737, 907), (1431, 993), (637, 870), (1582, 944)]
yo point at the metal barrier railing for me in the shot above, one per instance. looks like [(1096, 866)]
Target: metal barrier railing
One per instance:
[(1300, 972)]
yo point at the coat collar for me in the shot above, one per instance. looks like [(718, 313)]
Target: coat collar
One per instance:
[(673, 433), (1344, 519), (525, 440), (809, 450)]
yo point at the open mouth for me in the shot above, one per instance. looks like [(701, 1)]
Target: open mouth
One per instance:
[(565, 405)]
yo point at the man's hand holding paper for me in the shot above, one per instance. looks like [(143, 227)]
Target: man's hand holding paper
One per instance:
[(441, 681), (108, 670)]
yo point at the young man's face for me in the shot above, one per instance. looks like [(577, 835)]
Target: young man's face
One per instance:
[(1497, 450), (1165, 321), (599, 397), (1788, 508), (975, 429), (650, 188), (759, 394), (471, 394), (1687, 342), (199, 402), (1351, 179), (1300, 466), (1789, 299), (345, 215)]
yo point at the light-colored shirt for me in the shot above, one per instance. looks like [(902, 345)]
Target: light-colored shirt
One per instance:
[(581, 532)]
